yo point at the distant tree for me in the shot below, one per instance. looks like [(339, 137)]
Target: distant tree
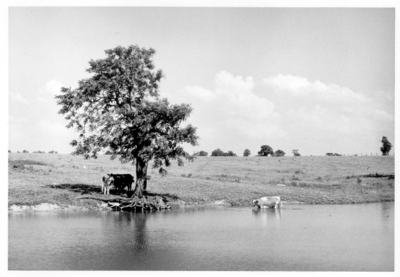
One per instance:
[(202, 153), (25, 151), (217, 152), (230, 154), (329, 154), (296, 152), (385, 149), (279, 153), (52, 152), (266, 150), (18, 152), (119, 108), (246, 153), (108, 152)]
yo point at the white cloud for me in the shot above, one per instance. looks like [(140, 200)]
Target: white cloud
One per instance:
[(53, 87), (288, 112), (233, 107), (301, 87), (288, 82), (16, 97)]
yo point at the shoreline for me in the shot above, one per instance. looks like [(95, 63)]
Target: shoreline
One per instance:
[(45, 207)]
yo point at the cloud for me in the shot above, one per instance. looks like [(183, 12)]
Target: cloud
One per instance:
[(53, 87), (16, 97), (286, 112), (229, 113), (301, 87)]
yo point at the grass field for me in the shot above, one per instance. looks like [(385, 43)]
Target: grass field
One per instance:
[(59, 179)]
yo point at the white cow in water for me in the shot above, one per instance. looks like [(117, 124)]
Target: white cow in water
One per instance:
[(268, 201)]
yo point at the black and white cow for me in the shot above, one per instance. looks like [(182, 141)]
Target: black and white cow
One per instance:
[(119, 181), (268, 201)]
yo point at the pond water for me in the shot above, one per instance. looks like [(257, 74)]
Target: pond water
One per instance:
[(295, 238)]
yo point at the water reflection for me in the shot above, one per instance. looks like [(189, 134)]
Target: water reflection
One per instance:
[(136, 224), (319, 237), (267, 215)]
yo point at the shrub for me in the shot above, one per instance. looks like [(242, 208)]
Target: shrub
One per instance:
[(219, 152), (202, 153), (296, 152), (279, 153)]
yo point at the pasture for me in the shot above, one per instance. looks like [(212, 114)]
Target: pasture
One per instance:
[(60, 178)]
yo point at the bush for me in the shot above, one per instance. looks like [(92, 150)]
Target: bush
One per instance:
[(202, 153), (279, 153), (219, 152), (296, 152)]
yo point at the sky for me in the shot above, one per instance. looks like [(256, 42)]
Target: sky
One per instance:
[(314, 79)]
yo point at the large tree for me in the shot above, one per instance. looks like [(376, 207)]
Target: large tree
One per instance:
[(118, 109), (266, 150)]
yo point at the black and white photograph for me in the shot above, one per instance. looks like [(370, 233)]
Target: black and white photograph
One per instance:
[(226, 137)]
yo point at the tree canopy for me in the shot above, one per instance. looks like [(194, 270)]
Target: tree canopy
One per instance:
[(219, 152), (119, 109), (266, 150), (386, 146), (246, 153)]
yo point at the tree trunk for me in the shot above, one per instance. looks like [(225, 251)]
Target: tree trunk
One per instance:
[(141, 177)]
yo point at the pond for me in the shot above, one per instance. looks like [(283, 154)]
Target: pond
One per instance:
[(295, 238)]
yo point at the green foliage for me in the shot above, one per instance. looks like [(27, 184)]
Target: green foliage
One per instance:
[(385, 149), (266, 150), (202, 153), (25, 151), (246, 153), (118, 108)]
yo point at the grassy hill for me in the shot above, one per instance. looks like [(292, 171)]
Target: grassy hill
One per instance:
[(59, 179)]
